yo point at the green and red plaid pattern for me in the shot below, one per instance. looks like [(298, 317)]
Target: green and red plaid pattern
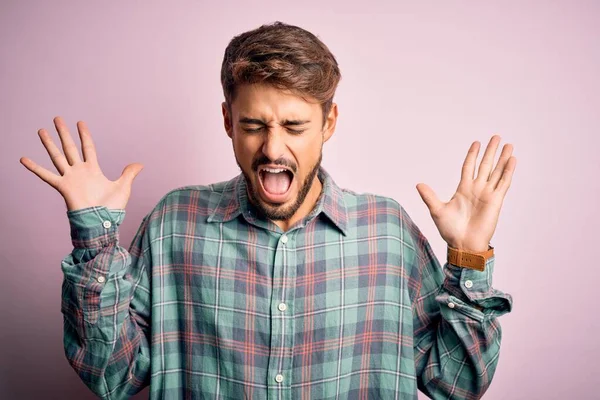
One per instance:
[(212, 301)]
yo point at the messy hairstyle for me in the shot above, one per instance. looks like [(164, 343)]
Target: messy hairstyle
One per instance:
[(284, 56)]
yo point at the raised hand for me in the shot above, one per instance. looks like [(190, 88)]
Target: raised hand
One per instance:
[(81, 182), (469, 219)]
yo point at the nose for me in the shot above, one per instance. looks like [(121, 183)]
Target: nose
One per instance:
[(274, 144)]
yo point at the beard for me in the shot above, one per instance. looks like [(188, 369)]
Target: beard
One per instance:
[(279, 212)]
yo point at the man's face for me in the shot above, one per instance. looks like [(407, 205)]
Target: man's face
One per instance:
[(277, 140)]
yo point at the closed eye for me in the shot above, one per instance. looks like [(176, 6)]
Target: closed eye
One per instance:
[(253, 130), (293, 131)]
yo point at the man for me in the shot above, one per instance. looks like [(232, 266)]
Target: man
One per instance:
[(279, 284)]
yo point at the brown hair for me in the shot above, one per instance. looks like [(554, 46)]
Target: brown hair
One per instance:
[(284, 56)]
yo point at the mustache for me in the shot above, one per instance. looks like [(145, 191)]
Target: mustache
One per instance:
[(263, 160)]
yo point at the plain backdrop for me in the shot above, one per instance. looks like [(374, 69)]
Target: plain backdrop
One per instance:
[(421, 82)]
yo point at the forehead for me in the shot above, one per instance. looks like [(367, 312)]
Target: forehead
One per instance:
[(264, 101)]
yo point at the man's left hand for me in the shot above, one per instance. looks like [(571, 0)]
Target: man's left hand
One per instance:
[(468, 221)]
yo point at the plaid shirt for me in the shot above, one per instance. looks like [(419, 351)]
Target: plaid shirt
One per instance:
[(213, 301)]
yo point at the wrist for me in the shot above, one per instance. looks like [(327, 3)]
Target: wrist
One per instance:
[(469, 248), (469, 259)]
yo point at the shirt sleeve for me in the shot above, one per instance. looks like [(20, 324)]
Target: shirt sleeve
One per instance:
[(106, 304), (457, 334)]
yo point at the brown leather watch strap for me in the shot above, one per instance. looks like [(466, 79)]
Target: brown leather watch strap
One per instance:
[(468, 259)]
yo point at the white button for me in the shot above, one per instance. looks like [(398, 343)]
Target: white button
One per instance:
[(107, 224), (282, 307), (451, 305), (279, 378), (469, 284), (101, 279), (284, 239)]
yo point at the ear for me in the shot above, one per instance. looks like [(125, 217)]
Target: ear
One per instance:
[(330, 122), (227, 121)]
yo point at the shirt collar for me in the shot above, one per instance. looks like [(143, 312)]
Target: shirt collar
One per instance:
[(234, 201)]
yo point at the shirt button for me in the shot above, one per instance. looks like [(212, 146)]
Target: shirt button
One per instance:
[(469, 284), (101, 279), (282, 307), (279, 378), (451, 305), (284, 239), (107, 224)]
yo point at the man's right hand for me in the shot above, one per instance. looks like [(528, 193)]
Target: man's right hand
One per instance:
[(81, 182)]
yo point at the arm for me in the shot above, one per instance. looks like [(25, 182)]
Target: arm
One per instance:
[(106, 304), (456, 331), (457, 335), (105, 288)]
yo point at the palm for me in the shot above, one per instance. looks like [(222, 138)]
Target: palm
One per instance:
[(81, 182), (469, 219), (85, 184)]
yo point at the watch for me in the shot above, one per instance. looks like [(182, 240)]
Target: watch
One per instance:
[(467, 259)]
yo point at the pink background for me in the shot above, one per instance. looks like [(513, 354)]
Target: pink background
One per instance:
[(421, 81)]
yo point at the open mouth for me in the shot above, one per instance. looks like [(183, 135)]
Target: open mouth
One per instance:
[(275, 183)]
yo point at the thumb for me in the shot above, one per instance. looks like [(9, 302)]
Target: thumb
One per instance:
[(130, 172), (429, 197)]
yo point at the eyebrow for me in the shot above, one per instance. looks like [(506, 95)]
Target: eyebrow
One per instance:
[(286, 122)]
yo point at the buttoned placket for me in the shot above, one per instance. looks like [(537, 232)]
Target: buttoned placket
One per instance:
[(282, 306)]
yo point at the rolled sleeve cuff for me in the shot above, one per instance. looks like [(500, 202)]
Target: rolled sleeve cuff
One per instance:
[(95, 237), (471, 292), (94, 227)]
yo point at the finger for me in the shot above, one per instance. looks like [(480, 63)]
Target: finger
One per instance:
[(488, 159), (507, 175), (68, 144), (88, 149), (497, 173), (130, 172), (56, 156), (429, 197), (468, 169), (45, 175)]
